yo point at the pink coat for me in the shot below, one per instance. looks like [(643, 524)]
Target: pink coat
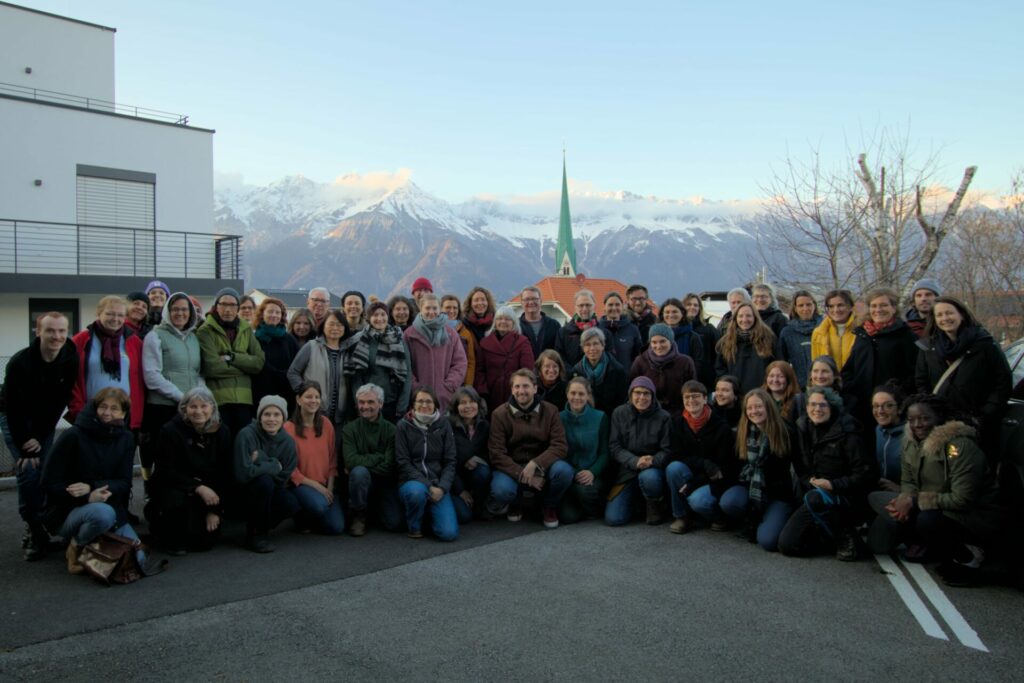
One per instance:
[(496, 360), (442, 368)]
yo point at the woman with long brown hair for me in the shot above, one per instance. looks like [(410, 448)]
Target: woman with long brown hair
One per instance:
[(746, 348), (781, 384)]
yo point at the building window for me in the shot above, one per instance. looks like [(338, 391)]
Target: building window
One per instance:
[(117, 217), (36, 307)]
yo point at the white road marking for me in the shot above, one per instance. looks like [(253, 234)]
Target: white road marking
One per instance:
[(910, 598), (961, 629)]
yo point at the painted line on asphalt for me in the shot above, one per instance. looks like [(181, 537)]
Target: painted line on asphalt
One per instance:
[(961, 629), (910, 598)]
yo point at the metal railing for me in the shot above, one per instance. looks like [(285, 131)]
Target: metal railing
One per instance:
[(92, 103), (46, 247)]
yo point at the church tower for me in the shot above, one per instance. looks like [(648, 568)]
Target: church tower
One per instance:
[(565, 251)]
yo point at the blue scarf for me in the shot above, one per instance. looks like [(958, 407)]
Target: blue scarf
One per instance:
[(683, 344), (594, 374)]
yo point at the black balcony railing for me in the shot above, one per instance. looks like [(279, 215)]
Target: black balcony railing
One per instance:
[(44, 247), (92, 103)]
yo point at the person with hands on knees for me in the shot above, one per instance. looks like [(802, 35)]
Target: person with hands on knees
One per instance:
[(527, 446), (88, 477), (947, 508), (468, 414), (586, 433), (425, 457), (368, 450), (317, 463), (703, 462), (265, 458), (835, 475), (640, 445)]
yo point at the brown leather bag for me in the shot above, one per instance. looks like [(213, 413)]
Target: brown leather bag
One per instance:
[(111, 558)]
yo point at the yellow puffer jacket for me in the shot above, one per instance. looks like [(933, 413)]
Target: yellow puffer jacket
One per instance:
[(825, 340)]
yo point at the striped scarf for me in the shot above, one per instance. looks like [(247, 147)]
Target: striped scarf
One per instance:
[(390, 353)]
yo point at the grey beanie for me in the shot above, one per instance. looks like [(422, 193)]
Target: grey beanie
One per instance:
[(928, 283), (228, 291), (661, 330), (272, 400)]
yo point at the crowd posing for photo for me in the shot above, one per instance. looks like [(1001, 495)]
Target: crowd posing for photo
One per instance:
[(810, 433)]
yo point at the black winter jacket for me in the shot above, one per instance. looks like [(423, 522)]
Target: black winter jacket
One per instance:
[(610, 392), (35, 393), (707, 452), (981, 384), (837, 455), (425, 456), (634, 434), (92, 453), (748, 367), (624, 342), (186, 460), (775, 319), (890, 355), (548, 333), (465, 446), (568, 343), (706, 363)]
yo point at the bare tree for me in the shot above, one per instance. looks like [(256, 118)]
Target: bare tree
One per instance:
[(855, 227), (985, 265)]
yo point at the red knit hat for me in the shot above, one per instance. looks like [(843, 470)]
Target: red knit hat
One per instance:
[(422, 283)]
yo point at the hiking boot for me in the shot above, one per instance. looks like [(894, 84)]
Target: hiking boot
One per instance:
[(654, 512), (551, 518), (35, 544), (680, 525), (514, 514), (846, 548), (259, 543), (720, 525), (358, 526), (414, 533)]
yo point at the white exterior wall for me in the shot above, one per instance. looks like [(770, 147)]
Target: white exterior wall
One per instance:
[(42, 142), (65, 56), (14, 327)]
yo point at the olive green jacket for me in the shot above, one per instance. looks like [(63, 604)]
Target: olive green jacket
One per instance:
[(229, 380)]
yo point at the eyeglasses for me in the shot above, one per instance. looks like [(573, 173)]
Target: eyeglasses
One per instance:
[(223, 305), (424, 402), (320, 301), (531, 300), (637, 299), (693, 397)]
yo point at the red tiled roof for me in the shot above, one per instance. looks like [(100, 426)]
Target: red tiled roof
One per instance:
[(561, 290)]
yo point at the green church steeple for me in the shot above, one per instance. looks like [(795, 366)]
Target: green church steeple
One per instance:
[(565, 251)]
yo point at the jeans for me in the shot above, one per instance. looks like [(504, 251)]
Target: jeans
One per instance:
[(84, 525), (776, 513), (704, 502), (366, 490), (650, 482), (415, 495), (477, 481), (327, 517), (31, 495), (267, 504), (677, 475), (505, 489)]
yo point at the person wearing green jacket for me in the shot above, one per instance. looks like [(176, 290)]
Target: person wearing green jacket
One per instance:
[(947, 506), (368, 450), (264, 460), (231, 356), (586, 431)]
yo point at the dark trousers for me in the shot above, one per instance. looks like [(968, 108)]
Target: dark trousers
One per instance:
[(181, 523), (814, 526), (376, 495), (236, 416), (267, 504), (154, 418), (931, 528)]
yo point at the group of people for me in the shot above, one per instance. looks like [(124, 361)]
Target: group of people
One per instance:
[(423, 413)]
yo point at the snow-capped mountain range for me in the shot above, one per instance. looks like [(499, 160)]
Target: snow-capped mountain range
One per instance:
[(380, 232)]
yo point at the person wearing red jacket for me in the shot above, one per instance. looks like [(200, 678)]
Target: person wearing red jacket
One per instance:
[(503, 350), (109, 355)]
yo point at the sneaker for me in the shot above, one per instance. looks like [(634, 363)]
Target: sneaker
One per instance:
[(514, 514), (551, 518), (680, 525), (654, 512), (259, 543), (414, 533), (720, 525), (846, 548), (358, 526)]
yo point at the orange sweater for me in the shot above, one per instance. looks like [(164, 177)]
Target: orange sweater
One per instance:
[(318, 459)]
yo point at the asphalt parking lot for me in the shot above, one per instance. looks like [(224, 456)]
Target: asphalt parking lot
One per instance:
[(584, 602)]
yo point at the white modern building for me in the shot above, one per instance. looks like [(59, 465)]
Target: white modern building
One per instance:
[(96, 197)]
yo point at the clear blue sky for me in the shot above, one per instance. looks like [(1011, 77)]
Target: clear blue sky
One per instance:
[(673, 99)]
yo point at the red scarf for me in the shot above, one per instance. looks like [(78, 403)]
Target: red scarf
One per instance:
[(697, 423), (584, 324), (873, 328)]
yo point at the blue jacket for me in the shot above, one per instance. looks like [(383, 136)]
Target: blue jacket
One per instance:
[(795, 346)]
